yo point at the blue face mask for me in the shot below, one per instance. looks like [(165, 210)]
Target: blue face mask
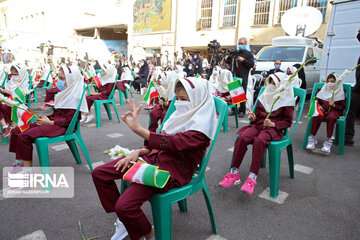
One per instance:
[(61, 85), (240, 47), (277, 67)]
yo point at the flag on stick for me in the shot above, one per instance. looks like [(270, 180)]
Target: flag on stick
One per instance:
[(237, 92), (151, 93), (314, 110)]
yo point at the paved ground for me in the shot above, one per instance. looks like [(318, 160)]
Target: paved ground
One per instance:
[(322, 203)]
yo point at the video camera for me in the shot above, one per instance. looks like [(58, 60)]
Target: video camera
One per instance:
[(213, 46)]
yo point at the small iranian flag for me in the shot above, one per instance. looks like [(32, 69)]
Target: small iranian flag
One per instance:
[(21, 117), (147, 174), (18, 95), (314, 110), (87, 75), (97, 80), (198, 75), (237, 92), (151, 93)]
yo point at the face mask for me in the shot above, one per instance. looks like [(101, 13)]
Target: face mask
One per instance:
[(61, 85), (142, 64), (277, 67), (190, 68), (15, 78), (182, 106), (215, 72), (240, 47), (271, 88), (330, 85)]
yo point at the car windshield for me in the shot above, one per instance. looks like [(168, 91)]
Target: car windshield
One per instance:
[(285, 54)]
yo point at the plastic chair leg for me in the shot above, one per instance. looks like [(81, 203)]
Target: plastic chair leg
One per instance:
[(263, 163), (43, 153), (336, 142), (35, 96), (121, 97), (108, 110), (341, 137), (290, 154), (236, 117), (132, 95), (83, 148), (98, 114), (225, 123), (209, 206), (307, 134), (162, 220), (4, 140), (116, 111), (74, 150), (274, 171), (183, 205)]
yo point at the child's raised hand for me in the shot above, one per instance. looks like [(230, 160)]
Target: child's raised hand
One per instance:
[(252, 116), (133, 123)]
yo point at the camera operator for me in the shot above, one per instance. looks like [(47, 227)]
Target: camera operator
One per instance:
[(241, 62)]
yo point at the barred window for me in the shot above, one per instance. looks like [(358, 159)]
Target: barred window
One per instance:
[(206, 14), (285, 5), (262, 10), (229, 18), (319, 4)]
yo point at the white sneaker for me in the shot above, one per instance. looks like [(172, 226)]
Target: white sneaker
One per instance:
[(311, 143), (120, 231), (327, 146), (83, 118), (89, 118)]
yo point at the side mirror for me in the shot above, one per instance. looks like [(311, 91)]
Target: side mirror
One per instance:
[(312, 61)]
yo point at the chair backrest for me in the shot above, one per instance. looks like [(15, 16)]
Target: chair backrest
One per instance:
[(221, 108), (298, 92), (347, 88), (74, 120), (111, 96), (47, 78), (5, 79)]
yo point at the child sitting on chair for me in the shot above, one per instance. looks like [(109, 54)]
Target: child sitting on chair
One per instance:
[(261, 131), (107, 85), (126, 78), (178, 149), (331, 99), (66, 103), (157, 113)]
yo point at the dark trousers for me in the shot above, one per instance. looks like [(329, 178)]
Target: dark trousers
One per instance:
[(242, 107), (127, 206), (351, 117), (139, 83), (260, 140)]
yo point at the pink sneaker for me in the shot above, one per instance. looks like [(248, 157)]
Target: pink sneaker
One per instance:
[(15, 169), (229, 180), (44, 107), (249, 186), (51, 103)]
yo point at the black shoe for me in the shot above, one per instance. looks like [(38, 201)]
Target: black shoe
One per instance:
[(349, 142), (241, 114)]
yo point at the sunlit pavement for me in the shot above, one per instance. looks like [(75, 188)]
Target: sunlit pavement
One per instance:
[(322, 202)]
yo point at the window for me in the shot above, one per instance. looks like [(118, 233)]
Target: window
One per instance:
[(262, 10), (285, 5), (229, 17), (285, 54), (319, 4), (206, 14)]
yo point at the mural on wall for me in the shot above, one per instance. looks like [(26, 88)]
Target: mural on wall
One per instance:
[(117, 47), (152, 16)]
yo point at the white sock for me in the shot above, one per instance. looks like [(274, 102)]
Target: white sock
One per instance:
[(234, 170), (253, 176)]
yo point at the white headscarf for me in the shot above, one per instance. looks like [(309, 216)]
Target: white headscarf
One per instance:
[(45, 72), (224, 77), (126, 75), (110, 74), (180, 71), (201, 117), (214, 81), (168, 80), (286, 96), (326, 94), (70, 97), (22, 82), (297, 81)]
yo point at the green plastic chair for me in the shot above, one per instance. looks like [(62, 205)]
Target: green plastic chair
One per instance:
[(275, 147), (71, 137), (3, 140), (121, 94), (226, 120), (106, 103), (45, 86), (5, 80), (340, 123), (161, 203)]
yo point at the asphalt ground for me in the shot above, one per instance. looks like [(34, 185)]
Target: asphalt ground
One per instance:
[(322, 203)]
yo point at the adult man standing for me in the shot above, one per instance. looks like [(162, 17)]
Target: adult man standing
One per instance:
[(241, 63), (354, 106)]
